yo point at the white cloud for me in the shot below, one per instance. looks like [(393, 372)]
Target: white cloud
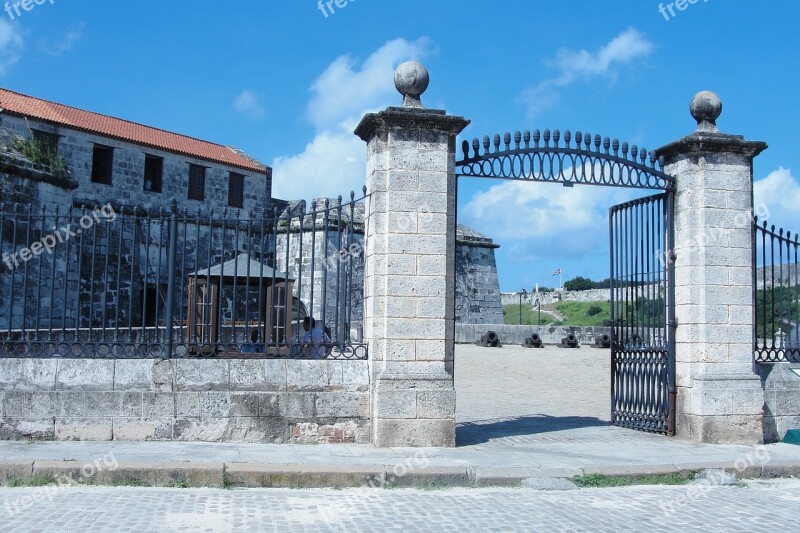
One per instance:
[(778, 197), (343, 90), (536, 220), (333, 163), (248, 104), (10, 46), (65, 42), (582, 65)]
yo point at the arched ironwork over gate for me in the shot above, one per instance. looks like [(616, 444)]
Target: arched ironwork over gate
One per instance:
[(565, 158), (641, 242)]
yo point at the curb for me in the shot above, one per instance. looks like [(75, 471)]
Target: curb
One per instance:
[(304, 476)]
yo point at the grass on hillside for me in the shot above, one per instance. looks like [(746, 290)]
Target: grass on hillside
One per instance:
[(584, 313), (529, 316), (574, 313)]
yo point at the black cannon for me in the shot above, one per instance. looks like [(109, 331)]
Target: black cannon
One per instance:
[(570, 341), (490, 339), (534, 341), (602, 341)]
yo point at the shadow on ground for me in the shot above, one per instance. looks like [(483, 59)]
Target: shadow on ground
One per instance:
[(480, 431)]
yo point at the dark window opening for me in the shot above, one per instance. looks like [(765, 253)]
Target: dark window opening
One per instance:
[(102, 164), (236, 190), (154, 302), (153, 173), (48, 140), (197, 182)]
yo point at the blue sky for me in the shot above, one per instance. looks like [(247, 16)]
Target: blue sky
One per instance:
[(283, 82)]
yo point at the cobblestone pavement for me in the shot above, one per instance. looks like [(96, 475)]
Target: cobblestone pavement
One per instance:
[(762, 506), (526, 396)]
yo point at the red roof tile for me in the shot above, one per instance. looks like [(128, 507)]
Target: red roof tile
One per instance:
[(28, 106)]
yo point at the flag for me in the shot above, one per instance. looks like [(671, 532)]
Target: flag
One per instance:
[(557, 272)]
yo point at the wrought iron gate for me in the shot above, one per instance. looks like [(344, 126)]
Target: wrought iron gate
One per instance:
[(642, 315)]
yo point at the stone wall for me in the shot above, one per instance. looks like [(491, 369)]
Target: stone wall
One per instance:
[(511, 334), (781, 399), (270, 401), (127, 187), (477, 283), (334, 266)]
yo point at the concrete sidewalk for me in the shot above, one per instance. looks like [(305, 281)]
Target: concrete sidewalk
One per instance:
[(501, 462)]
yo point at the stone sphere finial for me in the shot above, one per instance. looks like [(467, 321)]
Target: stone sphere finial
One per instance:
[(706, 107), (411, 80)]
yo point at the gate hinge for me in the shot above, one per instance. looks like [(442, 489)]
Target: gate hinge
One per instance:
[(673, 323)]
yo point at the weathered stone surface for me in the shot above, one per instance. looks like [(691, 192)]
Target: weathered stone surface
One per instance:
[(143, 375), (342, 431), (27, 429), (85, 375), (269, 375), (414, 432), (296, 405), (307, 375), (83, 428), (142, 429), (27, 374), (201, 375), (342, 405)]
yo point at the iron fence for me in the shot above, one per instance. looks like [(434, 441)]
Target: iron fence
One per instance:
[(776, 294), (119, 282)]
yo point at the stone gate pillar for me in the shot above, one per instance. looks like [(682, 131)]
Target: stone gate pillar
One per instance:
[(720, 397), (409, 267)]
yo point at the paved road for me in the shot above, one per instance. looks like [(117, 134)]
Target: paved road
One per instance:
[(516, 394), (763, 507)]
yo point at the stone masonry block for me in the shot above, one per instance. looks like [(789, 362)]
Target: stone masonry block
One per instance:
[(438, 404), (215, 404), (304, 375), (395, 404), (201, 375), (158, 404), (28, 374), (342, 405), (108, 404), (85, 374), (84, 429), (258, 375), (187, 404), (143, 375), (436, 182), (142, 429), (418, 433), (296, 404)]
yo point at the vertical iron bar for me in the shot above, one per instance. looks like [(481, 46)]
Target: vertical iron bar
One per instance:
[(172, 251), (26, 276), (40, 276), (772, 291), (53, 258), (338, 269), (234, 296), (325, 222), (313, 259), (612, 301), (669, 295), (15, 218)]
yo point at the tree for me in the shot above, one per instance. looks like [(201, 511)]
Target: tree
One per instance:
[(579, 284)]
